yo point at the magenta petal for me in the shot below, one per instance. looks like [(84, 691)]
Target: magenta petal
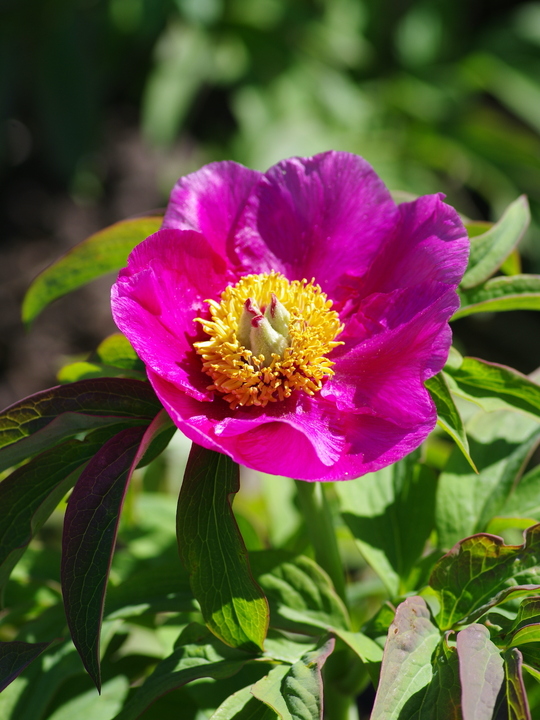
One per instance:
[(316, 217), (158, 296), (210, 201)]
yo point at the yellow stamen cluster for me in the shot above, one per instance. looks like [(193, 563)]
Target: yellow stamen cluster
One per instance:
[(245, 379)]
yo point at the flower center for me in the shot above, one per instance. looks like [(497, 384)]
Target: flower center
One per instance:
[(268, 337)]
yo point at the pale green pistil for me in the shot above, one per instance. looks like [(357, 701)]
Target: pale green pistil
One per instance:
[(264, 334)]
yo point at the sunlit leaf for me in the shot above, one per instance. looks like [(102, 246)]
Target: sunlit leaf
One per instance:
[(493, 387), (91, 706), (242, 705), (406, 666), (524, 501), (45, 419), (516, 696), (448, 416), (518, 292), (15, 656), (90, 528), (296, 692), (106, 251), (390, 514), (526, 634), (442, 699), (84, 370), (116, 350), (501, 443), (198, 654), (481, 672), (488, 251), (300, 593), (211, 547), (473, 576)]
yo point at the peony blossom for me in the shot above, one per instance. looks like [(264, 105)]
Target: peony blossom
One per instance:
[(289, 319)]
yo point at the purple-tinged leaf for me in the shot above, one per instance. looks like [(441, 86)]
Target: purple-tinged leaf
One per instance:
[(481, 670), (90, 530), (105, 251), (30, 494), (197, 654), (516, 696), (296, 693), (45, 419), (407, 669), (473, 576), (15, 657), (212, 550)]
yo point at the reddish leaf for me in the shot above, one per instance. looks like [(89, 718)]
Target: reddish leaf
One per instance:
[(15, 657), (516, 697), (90, 530), (481, 672)]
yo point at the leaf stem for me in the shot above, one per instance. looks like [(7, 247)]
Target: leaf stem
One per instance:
[(320, 526)]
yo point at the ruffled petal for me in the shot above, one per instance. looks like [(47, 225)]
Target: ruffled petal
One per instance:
[(320, 217), (158, 296), (210, 200)]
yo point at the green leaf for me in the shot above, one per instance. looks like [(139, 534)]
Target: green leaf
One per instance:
[(106, 251), (481, 672), (300, 593), (489, 251), (211, 548), (241, 705), (528, 611), (91, 706), (448, 416), (473, 576), (518, 292), (442, 699), (90, 529), (493, 387), (116, 350), (526, 634), (15, 656), (406, 670), (516, 696), (390, 514), (524, 501), (49, 417), (198, 654), (501, 443), (31, 493), (76, 371), (295, 693)]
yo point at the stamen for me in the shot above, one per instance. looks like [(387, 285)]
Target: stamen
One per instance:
[(255, 358)]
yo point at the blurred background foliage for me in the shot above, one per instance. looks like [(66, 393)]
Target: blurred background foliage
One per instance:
[(104, 99)]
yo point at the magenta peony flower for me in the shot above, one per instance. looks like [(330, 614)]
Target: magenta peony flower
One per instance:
[(289, 319)]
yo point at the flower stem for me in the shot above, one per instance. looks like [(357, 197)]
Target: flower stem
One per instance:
[(320, 526)]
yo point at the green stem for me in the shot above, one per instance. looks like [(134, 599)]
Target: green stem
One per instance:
[(320, 526)]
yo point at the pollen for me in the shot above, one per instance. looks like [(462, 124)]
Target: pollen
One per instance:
[(287, 331)]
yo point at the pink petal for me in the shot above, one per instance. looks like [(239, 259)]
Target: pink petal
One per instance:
[(210, 201), (316, 217), (158, 296)]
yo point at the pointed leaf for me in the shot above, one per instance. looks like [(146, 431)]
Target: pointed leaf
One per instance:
[(74, 372), (490, 250), (471, 576), (448, 414), (90, 529), (211, 548), (30, 494), (198, 654), (301, 595), (493, 387), (518, 292), (481, 672), (390, 514), (49, 417), (516, 696), (406, 667), (297, 693), (15, 657), (529, 611), (106, 251), (501, 443)]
